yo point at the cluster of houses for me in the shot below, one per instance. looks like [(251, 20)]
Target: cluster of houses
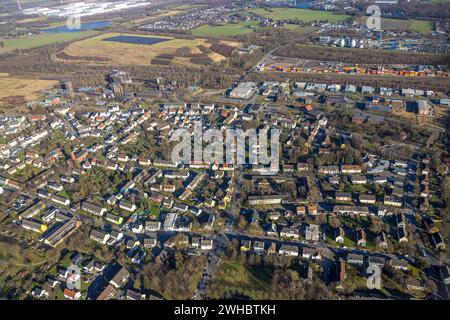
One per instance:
[(145, 238), (194, 18), (52, 223), (317, 254), (100, 141), (111, 281)]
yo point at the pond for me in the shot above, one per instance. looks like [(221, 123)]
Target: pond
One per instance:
[(137, 40), (303, 5), (83, 27)]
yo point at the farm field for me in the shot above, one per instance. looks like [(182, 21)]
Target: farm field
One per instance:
[(163, 13), (227, 30), (171, 11), (300, 29), (31, 20), (235, 29), (43, 39), (174, 51), (422, 26), (187, 6), (304, 15), (26, 88)]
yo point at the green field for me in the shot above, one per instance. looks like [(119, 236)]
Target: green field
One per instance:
[(235, 29), (304, 15), (235, 278), (422, 26), (300, 29), (292, 26), (44, 39), (227, 30), (13, 260)]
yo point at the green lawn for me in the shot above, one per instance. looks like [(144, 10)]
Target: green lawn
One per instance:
[(361, 188), (304, 15), (349, 242), (236, 278), (152, 209), (415, 272), (26, 173), (291, 26), (66, 261), (421, 26), (155, 211), (45, 39), (64, 194), (232, 29)]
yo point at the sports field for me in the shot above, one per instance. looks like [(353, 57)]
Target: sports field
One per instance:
[(173, 51), (304, 15)]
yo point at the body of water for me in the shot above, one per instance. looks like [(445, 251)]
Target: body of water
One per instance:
[(83, 27), (304, 5), (137, 40)]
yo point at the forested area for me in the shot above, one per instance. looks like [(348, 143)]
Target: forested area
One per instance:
[(176, 279), (361, 56), (429, 9)]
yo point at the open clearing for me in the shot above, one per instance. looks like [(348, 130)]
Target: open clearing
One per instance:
[(174, 51), (16, 260), (304, 15), (18, 87), (38, 40), (238, 280)]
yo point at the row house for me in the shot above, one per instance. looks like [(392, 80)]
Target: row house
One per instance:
[(350, 168), (351, 210), (367, 198), (93, 208)]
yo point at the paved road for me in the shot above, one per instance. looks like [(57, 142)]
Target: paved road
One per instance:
[(214, 256), (264, 59), (322, 246)]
